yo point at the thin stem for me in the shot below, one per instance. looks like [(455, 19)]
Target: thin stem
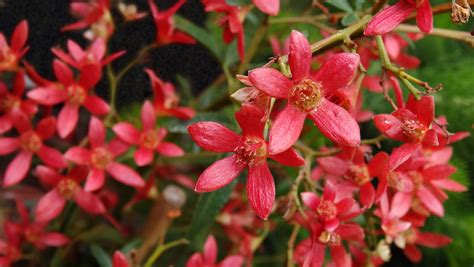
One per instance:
[(291, 245), (445, 33), (162, 248), (373, 141), (254, 45)]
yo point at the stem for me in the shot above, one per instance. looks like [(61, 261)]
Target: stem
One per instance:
[(451, 34), (291, 245), (373, 141), (254, 45), (162, 248)]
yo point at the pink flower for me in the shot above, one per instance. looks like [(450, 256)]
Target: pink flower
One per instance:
[(12, 103), (79, 58), (100, 159), (29, 142), (329, 209), (166, 32), (165, 100), (209, 256), (10, 248), (250, 151), (306, 96), (63, 189), (73, 94), (149, 139), (34, 232), (431, 240), (11, 55), (389, 18), (119, 260), (269, 7)]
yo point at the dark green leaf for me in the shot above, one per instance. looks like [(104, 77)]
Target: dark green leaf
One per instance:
[(349, 19), (341, 4), (207, 207), (238, 2), (101, 256)]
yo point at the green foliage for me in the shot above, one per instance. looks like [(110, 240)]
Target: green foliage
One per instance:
[(101, 256)]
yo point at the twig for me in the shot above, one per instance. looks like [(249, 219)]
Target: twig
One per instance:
[(291, 245), (445, 33), (162, 248)]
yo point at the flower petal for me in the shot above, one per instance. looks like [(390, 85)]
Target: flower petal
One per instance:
[(367, 194), (49, 206), (96, 105), (286, 129), (96, 132), (412, 253), (219, 174), (89, 202), (143, 156), (249, 118), (8, 145), (78, 155), (271, 82), (425, 109), (390, 126), (424, 17), (269, 7), (46, 127), (232, 261), (127, 133), (389, 18), (300, 56), (54, 239), (67, 119), (401, 155), (210, 250), (95, 180), (169, 149), (125, 174), (432, 240), (430, 201), (337, 71), (148, 116), (261, 189), (47, 96), (19, 36), (311, 200), (119, 260), (336, 124), (63, 73), (338, 255), (52, 157), (214, 137), (401, 203), (289, 157), (18, 168)]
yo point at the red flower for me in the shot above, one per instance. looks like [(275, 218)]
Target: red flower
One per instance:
[(10, 249), (165, 100), (35, 233), (29, 142), (389, 18), (311, 251), (209, 256), (149, 139), (100, 158), (306, 96), (119, 260), (11, 55), (269, 7), (64, 188), (94, 55), (166, 33), (232, 22), (73, 93), (391, 213), (410, 124), (250, 150), (330, 210), (252, 96), (414, 237), (12, 103)]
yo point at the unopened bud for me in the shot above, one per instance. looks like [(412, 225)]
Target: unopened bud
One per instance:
[(175, 196)]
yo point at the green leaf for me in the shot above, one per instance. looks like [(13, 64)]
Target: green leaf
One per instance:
[(341, 4), (359, 4), (200, 34), (237, 2), (207, 207), (101, 256), (349, 19)]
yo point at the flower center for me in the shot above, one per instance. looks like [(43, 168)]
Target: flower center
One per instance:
[(32, 234), (252, 151), (76, 94), (7, 58), (413, 130), (30, 141), (149, 139), (416, 178), (395, 181), (100, 158), (67, 188), (359, 174), (329, 238), (306, 95), (327, 210), (8, 103)]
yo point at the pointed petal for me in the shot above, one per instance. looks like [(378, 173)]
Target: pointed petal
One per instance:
[(269, 7), (412, 253), (143, 156), (47, 96), (389, 18), (148, 116), (232, 261), (54, 239), (119, 260), (90, 75), (337, 71), (345, 205), (46, 127), (425, 109), (333, 165), (311, 200), (219, 174), (401, 155), (210, 250), (424, 17), (17, 169), (214, 137), (9, 145), (367, 194), (329, 192), (127, 133), (20, 36), (389, 125), (96, 133), (401, 203), (432, 240), (96, 105), (289, 157), (49, 206), (78, 155), (67, 119), (286, 129), (430, 201), (271, 82), (52, 157), (336, 124), (261, 189), (378, 164), (338, 255), (169, 149), (125, 174), (63, 73), (95, 180), (249, 118), (449, 185), (89, 202), (300, 56)]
